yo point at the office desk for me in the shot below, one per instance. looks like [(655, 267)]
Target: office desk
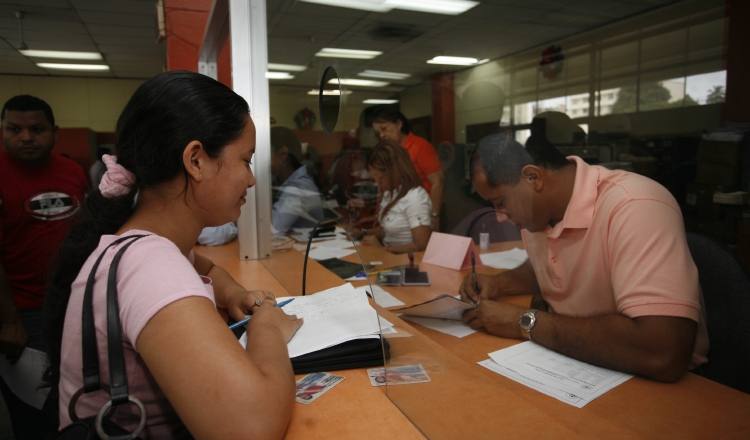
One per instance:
[(694, 407), (450, 406)]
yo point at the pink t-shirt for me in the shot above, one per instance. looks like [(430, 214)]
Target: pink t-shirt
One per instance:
[(620, 248), (151, 275)]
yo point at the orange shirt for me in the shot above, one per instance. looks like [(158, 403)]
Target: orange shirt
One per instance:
[(620, 248), (423, 156)]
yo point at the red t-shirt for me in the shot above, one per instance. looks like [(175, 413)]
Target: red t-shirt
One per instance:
[(36, 204), (423, 156)]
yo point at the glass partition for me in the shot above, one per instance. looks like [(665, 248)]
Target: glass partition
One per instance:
[(456, 77)]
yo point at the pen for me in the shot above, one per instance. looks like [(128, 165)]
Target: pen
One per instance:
[(246, 320), (474, 277)]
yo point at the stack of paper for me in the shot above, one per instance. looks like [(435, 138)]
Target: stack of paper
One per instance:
[(566, 379), (505, 260), (732, 198), (442, 313), (331, 317)]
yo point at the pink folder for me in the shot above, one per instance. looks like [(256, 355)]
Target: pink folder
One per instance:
[(451, 251)]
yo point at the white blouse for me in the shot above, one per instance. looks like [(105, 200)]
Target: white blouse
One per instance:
[(413, 210)]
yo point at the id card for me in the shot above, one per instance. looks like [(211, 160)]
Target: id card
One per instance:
[(314, 385), (398, 375)]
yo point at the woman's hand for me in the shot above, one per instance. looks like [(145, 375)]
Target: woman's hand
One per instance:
[(372, 241), (242, 303), (267, 314)]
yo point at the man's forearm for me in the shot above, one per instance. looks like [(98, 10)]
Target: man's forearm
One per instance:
[(658, 347)]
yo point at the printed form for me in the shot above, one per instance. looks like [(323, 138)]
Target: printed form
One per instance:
[(566, 379)]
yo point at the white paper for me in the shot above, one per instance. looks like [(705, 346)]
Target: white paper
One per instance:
[(381, 297), (331, 317), (442, 306), (505, 260), (324, 253), (571, 399), (447, 326), (336, 243), (558, 373), (25, 377)]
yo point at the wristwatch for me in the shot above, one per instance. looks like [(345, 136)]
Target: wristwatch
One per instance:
[(527, 322)]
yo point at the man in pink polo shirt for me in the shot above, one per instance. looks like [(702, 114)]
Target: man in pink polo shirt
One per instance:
[(611, 277)]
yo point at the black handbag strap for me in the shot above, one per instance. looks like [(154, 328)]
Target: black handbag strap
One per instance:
[(91, 375)]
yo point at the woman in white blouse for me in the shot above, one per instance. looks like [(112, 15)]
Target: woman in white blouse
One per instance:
[(405, 206)]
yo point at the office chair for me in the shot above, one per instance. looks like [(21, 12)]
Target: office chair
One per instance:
[(726, 293), (484, 219)]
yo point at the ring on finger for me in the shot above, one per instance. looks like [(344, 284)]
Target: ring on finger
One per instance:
[(257, 302)]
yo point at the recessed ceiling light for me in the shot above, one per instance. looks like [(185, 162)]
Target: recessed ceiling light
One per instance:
[(383, 75), (65, 55), (279, 75), (380, 101), (287, 67), (447, 7), (73, 66), (359, 82), (453, 61), (330, 52), (330, 92)]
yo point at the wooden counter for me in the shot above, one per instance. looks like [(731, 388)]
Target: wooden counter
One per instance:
[(467, 400)]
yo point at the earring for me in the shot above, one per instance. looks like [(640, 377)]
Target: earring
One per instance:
[(200, 175)]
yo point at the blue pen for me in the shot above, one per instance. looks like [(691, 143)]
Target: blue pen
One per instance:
[(246, 320)]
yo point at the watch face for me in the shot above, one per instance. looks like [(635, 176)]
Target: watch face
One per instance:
[(525, 320)]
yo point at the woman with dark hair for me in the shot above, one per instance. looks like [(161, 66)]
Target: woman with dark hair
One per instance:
[(404, 217), (184, 143), (390, 124)]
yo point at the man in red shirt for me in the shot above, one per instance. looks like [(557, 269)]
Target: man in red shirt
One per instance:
[(39, 192), (389, 123)]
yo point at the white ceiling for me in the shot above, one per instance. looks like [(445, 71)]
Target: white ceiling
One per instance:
[(124, 31)]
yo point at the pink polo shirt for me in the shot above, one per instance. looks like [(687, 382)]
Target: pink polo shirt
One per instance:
[(620, 248), (151, 275)]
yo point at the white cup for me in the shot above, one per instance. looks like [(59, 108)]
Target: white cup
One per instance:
[(484, 240)]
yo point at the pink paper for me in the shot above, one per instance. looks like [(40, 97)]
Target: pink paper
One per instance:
[(451, 251)]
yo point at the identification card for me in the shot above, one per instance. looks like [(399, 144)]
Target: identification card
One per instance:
[(314, 385), (398, 375)]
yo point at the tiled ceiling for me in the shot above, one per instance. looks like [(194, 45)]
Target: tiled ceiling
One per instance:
[(124, 31)]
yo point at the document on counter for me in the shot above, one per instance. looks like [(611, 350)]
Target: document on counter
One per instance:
[(443, 307), (381, 296), (331, 317), (325, 253), (566, 379), (447, 326), (505, 260)]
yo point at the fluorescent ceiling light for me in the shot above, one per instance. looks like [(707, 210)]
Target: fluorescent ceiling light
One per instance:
[(453, 61), (279, 75), (73, 66), (447, 7), (380, 101), (383, 75), (330, 52), (287, 67), (358, 82), (329, 92), (62, 54)]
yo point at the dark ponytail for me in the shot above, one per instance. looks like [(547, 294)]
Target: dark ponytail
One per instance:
[(165, 114)]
